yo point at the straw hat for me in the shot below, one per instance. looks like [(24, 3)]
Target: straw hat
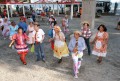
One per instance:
[(85, 22), (77, 32)]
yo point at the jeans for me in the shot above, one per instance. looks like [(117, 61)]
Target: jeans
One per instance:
[(39, 50), (87, 41)]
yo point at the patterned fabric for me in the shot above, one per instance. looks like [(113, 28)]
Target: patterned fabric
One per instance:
[(77, 61), (20, 40), (86, 33), (81, 44), (30, 35), (60, 47), (13, 30), (100, 47), (6, 30)]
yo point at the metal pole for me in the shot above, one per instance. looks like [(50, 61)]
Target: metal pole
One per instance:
[(23, 10), (78, 8), (8, 12), (71, 15), (65, 9), (11, 11), (53, 9), (58, 9)]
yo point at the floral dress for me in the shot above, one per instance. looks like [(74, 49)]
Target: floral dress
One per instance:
[(60, 46), (20, 43), (100, 47), (30, 35)]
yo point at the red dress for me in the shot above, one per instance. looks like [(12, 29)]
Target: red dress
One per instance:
[(21, 45)]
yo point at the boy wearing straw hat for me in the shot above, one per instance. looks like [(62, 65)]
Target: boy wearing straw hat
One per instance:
[(86, 33)]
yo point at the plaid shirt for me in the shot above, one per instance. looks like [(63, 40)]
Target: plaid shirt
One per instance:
[(86, 33)]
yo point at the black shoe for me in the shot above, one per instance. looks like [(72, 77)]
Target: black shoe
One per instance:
[(37, 60), (89, 54), (60, 61)]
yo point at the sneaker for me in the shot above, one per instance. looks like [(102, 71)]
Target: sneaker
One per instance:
[(43, 60), (75, 76)]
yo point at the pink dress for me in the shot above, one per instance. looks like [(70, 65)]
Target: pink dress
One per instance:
[(20, 43), (30, 35)]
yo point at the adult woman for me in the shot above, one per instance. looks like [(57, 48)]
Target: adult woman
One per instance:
[(21, 47), (30, 33), (76, 47), (86, 33), (60, 47), (101, 41), (13, 29), (6, 29)]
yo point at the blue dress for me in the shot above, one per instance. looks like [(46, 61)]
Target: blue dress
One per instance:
[(13, 30)]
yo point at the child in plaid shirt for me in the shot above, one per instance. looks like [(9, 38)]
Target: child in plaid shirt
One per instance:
[(86, 33)]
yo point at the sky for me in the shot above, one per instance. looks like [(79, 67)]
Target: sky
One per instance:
[(115, 1)]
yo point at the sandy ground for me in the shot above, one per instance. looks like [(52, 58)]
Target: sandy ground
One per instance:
[(11, 69)]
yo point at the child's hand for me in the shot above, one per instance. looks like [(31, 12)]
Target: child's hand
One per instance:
[(10, 45)]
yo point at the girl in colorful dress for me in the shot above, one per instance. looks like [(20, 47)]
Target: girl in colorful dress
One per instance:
[(65, 24), (6, 29), (30, 33), (20, 44), (100, 43), (60, 46), (86, 33), (76, 47)]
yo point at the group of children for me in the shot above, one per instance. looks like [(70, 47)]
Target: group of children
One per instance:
[(32, 34)]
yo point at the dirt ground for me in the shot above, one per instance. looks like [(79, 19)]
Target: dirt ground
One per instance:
[(11, 69)]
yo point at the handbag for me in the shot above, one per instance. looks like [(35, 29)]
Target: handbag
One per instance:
[(32, 49), (50, 33)]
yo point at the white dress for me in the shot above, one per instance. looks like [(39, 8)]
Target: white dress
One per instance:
[(6, 27), (30, 35)]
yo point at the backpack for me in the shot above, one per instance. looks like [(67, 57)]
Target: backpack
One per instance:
[(50, 33)]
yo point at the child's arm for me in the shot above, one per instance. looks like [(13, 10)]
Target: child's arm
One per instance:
[(11, 43)]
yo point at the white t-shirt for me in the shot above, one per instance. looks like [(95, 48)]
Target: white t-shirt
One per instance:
[(38, 35)]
